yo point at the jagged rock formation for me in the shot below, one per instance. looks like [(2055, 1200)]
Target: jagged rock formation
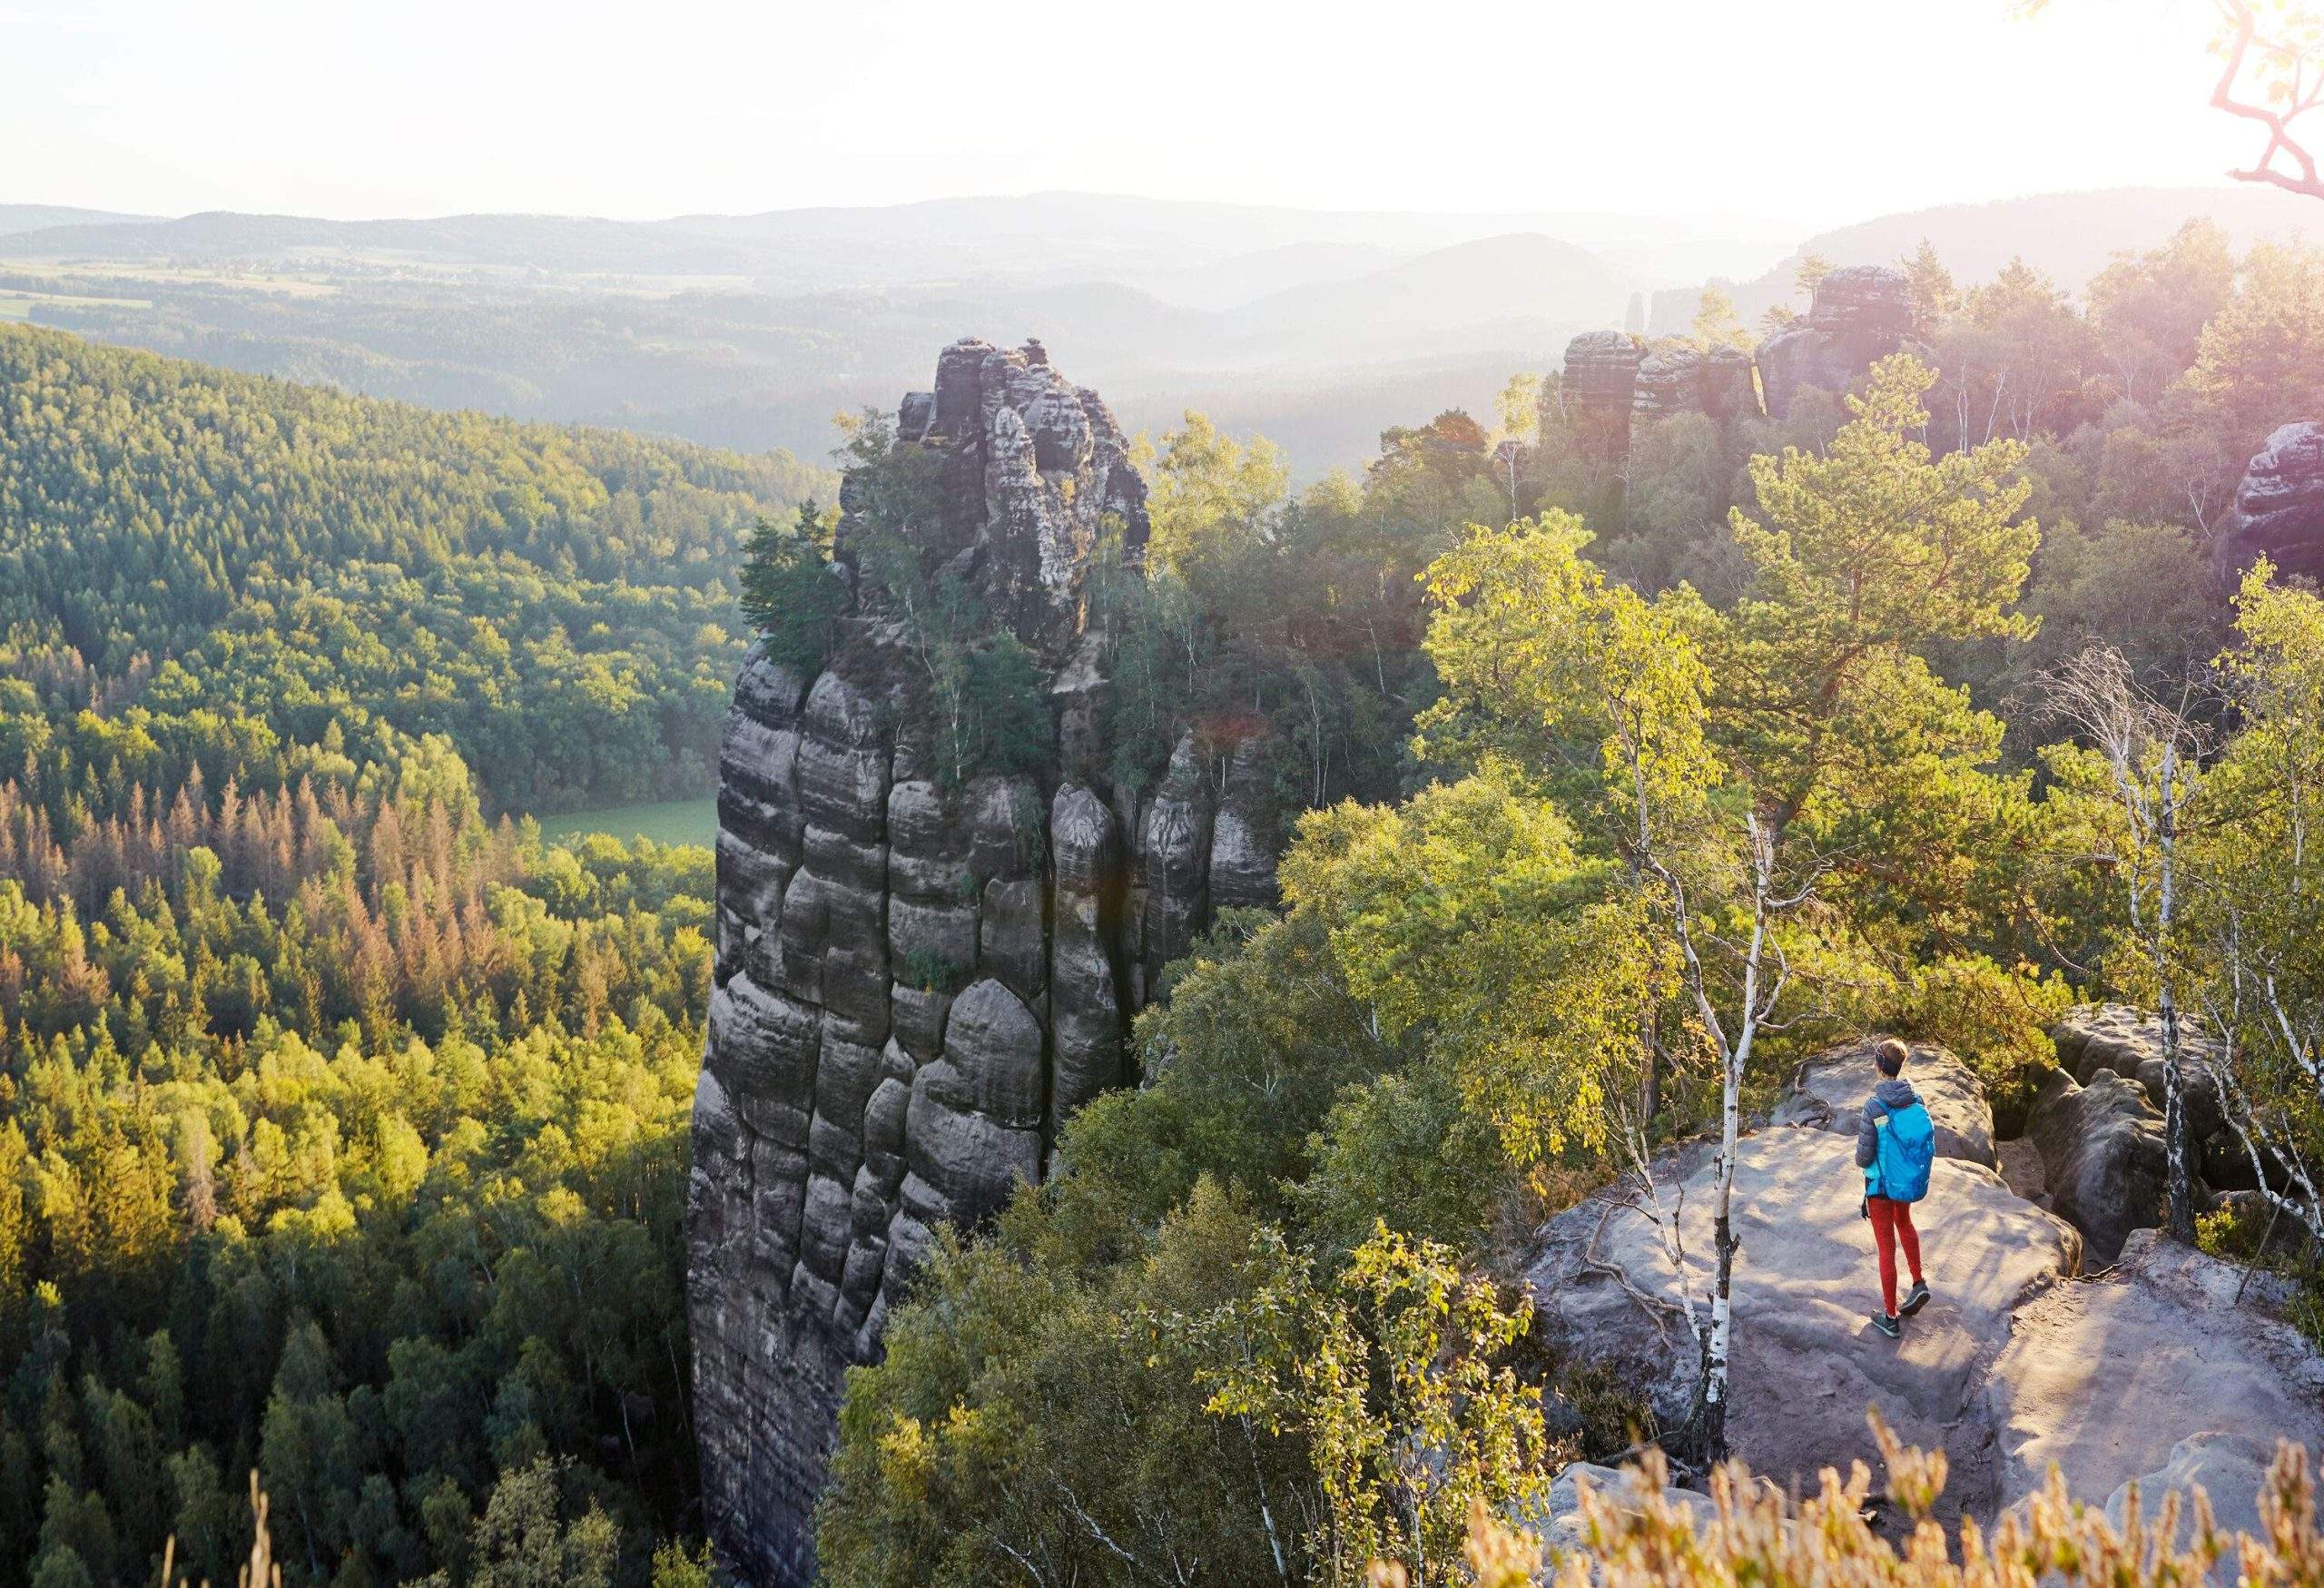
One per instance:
[(2098, 1123), (2279, 507), (917, 983), (1613, 381), (1859, 314), (2015, 1362)]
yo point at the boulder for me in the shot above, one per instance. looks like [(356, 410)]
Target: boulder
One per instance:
[(2279, 507), (1561, 1522), (2102, 1155), (2128, 1041), (992, 1059), (1830, 1093), (2092, 1037)]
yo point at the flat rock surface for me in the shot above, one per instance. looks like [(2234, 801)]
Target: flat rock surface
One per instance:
[(2152, 1372), (1807, 1363)]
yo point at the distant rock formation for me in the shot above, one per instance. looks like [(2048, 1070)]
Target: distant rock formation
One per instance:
[(1859, 314), (1601, 386), (1718, 384), (2279, 507), (1614, 380), (916, 985)]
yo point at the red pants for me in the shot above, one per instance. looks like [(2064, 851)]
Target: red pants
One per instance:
[(1891, 1224)]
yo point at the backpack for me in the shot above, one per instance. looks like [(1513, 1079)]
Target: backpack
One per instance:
[(1908, 1148)]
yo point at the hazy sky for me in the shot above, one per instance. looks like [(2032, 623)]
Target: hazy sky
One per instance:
[(1820, 110)]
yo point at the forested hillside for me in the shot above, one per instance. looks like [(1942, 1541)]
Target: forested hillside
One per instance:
[(342, 1138), (342, 1126), (245, 566)]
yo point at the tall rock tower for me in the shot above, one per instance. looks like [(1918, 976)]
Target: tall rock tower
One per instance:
[(919, 980)]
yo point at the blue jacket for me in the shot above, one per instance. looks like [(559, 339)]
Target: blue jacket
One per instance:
[(1892, 1093)]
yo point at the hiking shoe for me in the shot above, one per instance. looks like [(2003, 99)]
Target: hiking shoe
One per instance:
[(1915, 1298), (1889, 1324)]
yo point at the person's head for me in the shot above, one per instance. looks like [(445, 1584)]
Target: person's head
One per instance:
[(1890, 1057)]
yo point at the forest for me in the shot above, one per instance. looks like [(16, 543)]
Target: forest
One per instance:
[(222, 570), (343, 1122)]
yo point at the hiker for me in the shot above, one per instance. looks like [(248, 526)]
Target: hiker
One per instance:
[(1895, 1142)]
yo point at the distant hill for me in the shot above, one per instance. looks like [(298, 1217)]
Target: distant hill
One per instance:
[(750, 331), (2068, 236), (727, 366), (1037, 236), (1439, 298), (1238, 278), (21, 218)]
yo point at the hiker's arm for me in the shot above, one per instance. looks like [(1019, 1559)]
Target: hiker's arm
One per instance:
[(1868, 1133)]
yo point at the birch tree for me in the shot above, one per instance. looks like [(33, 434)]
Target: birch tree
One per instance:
[(2149, 752), (2259, 917)]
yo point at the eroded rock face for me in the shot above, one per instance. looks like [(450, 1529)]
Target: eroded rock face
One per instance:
[(1860, 314), (2128, 1041), (2279, 507), (918, 983), (2102, 1155), (1718, 384)]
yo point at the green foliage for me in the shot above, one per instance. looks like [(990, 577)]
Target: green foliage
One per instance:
[(1036, 1412), (1391, 1378), (1292, 621), (791, 593), (225, 561), (1717, 325), (1468, 913), (931, 971), (2256, 360), (979, 701), (342, 1135)]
